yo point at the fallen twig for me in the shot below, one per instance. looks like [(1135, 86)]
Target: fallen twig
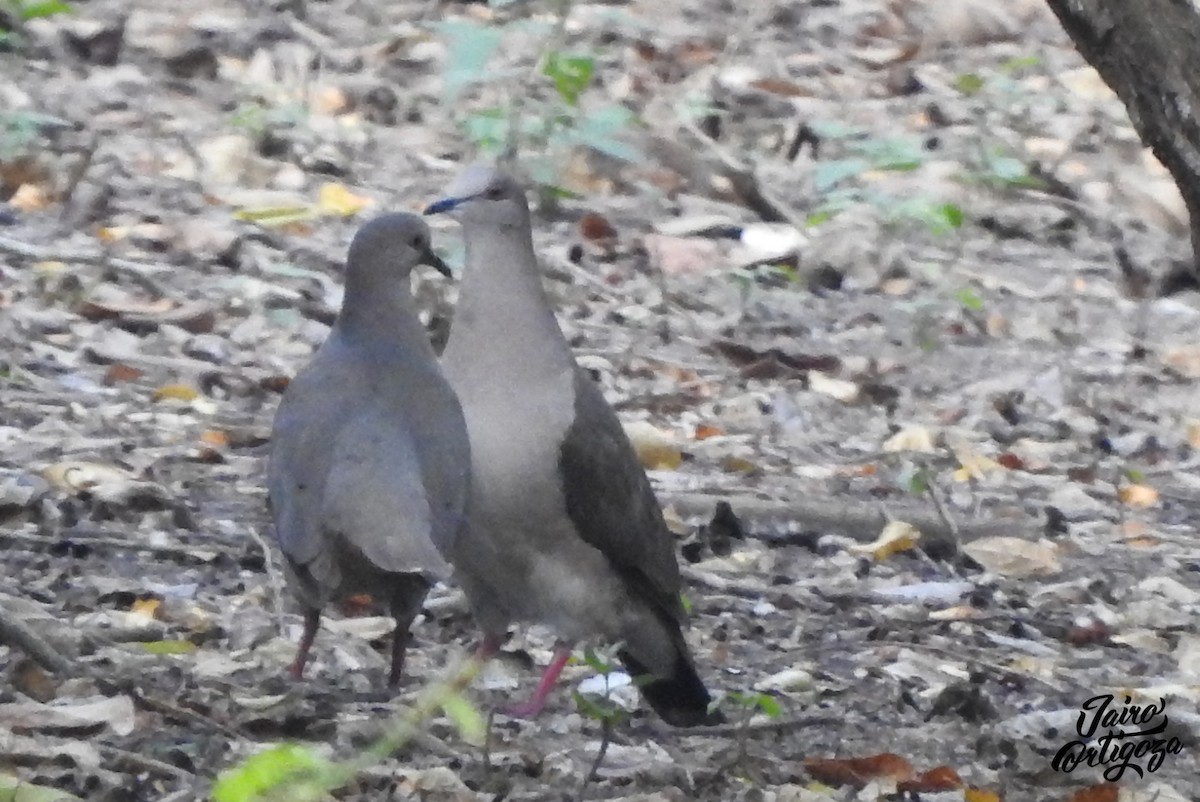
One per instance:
[(144, 763), (140, 270), (18, 635), (762, 517)]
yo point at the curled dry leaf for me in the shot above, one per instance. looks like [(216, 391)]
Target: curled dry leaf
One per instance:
[(678, 255), (973, 465), (896, 537), (655, 448), (858, 771), (845, 391), (1138, 496), (176, 392), (106, 482), (335, 199), (595, 227), (1184, 360), (980, 795), (1013, 556), (911, 438), (109, 303), (1106, 792), (942, 778)]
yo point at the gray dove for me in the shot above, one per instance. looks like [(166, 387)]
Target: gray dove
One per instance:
[(369, 466), (564, 528)]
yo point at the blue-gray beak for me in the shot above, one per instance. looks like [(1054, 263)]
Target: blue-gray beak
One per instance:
[(443, 205)]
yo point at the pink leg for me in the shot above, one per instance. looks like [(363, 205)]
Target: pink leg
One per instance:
[(312, 621), (489, 647), (530, 709)]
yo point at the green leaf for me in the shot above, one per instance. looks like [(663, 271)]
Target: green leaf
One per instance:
[(900, 153), (599, 129), (952, 214), (37, 9), (829, 174), (488, 129), (769, 705), (597, 708), (261, 773), (471, 725), (969, 83), (1009, 170), (169, 646), (836, 129), (570, 74), (470, 47), (14, 789), (1020, 63), (597, 663), (969, 300), (686, 601), (918, 482), (1135, 476)]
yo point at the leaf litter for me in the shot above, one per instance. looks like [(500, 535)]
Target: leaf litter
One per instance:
[(838, 266)]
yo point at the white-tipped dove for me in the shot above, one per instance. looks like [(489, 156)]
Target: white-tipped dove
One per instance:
[(564, 526), (369, 467)]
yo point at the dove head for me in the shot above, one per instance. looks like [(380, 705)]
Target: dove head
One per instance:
[(484, 195), (391, 245)]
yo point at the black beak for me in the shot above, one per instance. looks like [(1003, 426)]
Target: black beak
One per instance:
[(433, 260)]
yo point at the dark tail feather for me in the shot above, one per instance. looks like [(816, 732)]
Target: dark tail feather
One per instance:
[(681, 699)]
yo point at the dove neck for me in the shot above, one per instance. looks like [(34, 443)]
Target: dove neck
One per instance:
[(381, 312), (502, 304)]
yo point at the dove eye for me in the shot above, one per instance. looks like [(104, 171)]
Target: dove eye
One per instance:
[(416, 242), (495, 193)]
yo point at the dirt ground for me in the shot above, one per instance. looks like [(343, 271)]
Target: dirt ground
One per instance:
[(876, 262)]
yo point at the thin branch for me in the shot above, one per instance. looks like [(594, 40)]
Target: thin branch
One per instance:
[(848, 517), (18, 635), (144, 763)]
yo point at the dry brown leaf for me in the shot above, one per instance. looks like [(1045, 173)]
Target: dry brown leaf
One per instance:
[(215, 438), (679, 255), (1107, 792), (1193, 433), (896, 537), (150, 608), (1086, 83), (31, 198), (76, 476), (705, 431), (960, 612), (595, 227), (858, 771), (656, 449), (330, 101), (1184, 359), (1138, 496), (779, 86), (1014, 556), (911, 438), (980, 795), (176, 392), (845, 391), (120, 372), (942, 778), (733, 464), (972, 464), (335, 199)]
